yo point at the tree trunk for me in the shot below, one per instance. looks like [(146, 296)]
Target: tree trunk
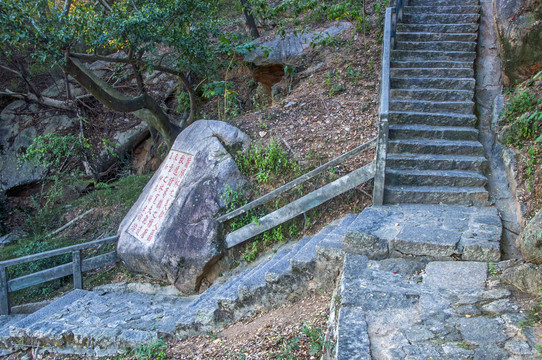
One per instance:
[(193, 101), (142, 106), (251, 23)]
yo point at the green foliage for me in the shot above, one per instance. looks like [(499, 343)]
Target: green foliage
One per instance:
[(534, 316), (54, 153), (310, 334), (523, 117), (156, 350), (251, 252), (53, 150), (235, 198), (228, 98), (263, 162)]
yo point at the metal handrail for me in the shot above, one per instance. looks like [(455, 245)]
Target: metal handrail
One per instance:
[(75, 268)]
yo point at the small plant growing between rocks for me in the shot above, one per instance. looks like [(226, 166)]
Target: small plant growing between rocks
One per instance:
[(156, 350)]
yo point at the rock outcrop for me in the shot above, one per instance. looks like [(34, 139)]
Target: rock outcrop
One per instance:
[(170, 233), (530, 240), (519, 26)]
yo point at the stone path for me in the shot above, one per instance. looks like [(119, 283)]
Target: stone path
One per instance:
[(113, 318), (391, 308), (405, 309)]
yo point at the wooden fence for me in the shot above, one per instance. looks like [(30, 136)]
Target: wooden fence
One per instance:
[(304, 204), (76, 268)]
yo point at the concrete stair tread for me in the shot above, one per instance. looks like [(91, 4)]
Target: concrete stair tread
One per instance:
[(431, 127), (417, 113), (442, 142), (447, 189), (426, 94), (451, 9), (444, 229), (438, 28), (448, 64), (414, 101), (441, 173)]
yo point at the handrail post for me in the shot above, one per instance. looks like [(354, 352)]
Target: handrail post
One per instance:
[(4, 292), (380, 163), (77, 270)]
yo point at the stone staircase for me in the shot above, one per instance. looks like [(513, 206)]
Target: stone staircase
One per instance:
[(434, 155), (405, 305), (113, 318)]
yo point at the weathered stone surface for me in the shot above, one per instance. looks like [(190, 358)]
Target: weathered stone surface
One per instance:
[(285, 50), (525, 277), (433, 231), (187, 243), (456, 276), (530, 240), (519, 26)]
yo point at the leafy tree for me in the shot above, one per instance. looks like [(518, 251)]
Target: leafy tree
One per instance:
[(141, 36)]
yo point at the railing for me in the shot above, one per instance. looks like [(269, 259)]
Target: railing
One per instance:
[(305, 203), (393, 16), (76, 268)]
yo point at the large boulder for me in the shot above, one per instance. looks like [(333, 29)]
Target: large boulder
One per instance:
[(519, 27), (530, 240), (170, 233)]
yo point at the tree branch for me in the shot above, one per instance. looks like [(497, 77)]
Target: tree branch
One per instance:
[(29, 97), (143, 106)]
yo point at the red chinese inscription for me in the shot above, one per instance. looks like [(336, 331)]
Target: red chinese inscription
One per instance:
[(152, 212)]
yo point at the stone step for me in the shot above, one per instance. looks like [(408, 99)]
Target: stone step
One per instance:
[(423, 18), (431, 231), (456, 107), (443, 3), (459, 27), (456, 178), (352, 335), (431, 64), (438, 45), (441, 147), (454, 9), (306, 255), (435, 195), (430, 36), (435, 83), (432, 132), (427, 55), (432, 94), (432, 72), (437, 162), (420, 118)]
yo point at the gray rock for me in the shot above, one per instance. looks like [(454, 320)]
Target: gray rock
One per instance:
[(456, 276), (518, 347), (482, 330), (12, 237), (186, 243), (530, 240), (519, 32), (525, 277), (285, 50)]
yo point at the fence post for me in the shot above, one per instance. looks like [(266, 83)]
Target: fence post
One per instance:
[(4, 292), (77, 271)]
